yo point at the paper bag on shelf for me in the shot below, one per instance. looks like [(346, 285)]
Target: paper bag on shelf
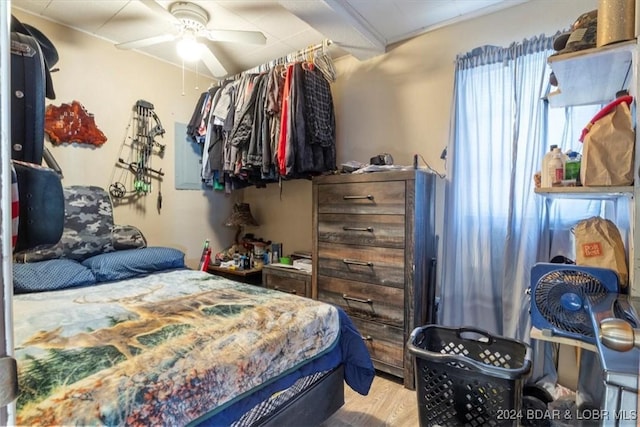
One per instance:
[(599, 244), (608, 146)]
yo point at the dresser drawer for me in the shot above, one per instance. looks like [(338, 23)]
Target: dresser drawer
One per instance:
[(381, 266), (385, 343), (362, 197), (293, 282), (364, 300), (358, 229)]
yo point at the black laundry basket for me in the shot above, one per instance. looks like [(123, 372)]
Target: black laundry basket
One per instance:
[(468, 377)]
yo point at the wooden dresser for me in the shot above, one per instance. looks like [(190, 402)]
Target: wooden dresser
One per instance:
[(297, 282), (374, 256)]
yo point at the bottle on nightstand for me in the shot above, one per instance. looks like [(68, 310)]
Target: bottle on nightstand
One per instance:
[(205, 258)]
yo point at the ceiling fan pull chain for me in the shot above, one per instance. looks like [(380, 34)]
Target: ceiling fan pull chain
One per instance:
[(183, 77), (197, 75)]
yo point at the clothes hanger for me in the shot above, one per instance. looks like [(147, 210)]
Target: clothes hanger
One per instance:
[(323, 61)]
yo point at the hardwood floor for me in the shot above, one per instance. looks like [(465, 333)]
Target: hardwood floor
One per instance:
[(388, 404)]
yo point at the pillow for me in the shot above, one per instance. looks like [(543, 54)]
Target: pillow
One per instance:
[(127, 237), (133, 262), (50, 275), (87, 227)]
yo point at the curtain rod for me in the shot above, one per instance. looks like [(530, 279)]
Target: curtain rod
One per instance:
[(291, 57)]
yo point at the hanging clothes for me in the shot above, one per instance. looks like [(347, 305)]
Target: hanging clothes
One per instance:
[(260, 129), (275, 89), (284, 122), (212, 154), (244, 132), (320, 118), (307, 140), (196, 117), (270, 125), (227, 128)]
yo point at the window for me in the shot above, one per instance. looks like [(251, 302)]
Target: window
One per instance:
[(497, 228)]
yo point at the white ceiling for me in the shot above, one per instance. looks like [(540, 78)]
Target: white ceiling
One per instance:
[(362, 28)]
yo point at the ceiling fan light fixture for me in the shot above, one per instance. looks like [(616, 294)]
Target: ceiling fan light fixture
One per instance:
[(189, 49), (190, 15), (191, 34)]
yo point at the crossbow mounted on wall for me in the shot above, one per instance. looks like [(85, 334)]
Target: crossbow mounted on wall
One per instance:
[(135, 173)]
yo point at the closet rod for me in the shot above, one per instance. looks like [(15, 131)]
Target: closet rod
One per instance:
[(288, 58)]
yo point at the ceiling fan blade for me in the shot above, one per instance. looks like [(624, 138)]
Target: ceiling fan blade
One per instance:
[(136, 44), (213, 63), (159, 10), (236, 36)]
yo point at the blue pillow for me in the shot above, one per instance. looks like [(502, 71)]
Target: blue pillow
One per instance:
[(50, 275), (128, 263)]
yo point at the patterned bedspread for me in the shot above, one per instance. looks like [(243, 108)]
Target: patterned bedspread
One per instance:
[(159, 350)]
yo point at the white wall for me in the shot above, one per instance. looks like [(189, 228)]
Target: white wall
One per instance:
[(108, 82)]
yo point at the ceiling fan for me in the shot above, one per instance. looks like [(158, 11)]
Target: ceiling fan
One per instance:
[(192, 34)]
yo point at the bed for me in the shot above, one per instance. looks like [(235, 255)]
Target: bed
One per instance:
[(127, 335)]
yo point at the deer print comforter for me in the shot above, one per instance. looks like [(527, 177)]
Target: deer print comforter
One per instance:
[(159, 350)]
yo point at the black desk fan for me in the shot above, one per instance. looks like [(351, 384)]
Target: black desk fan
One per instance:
[(558, 298)]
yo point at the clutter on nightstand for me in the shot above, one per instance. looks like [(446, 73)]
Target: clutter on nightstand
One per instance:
[(248, 253), (295, 261), (302, 264)]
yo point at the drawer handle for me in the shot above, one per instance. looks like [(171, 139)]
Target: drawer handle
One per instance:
[(369, 301), (368, 197), (356, 262), (367, 338), (363, 301), (290, 291), (369, 229)]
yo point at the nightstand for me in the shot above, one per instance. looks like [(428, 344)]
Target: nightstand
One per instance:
[(252, 276), (286, 279)]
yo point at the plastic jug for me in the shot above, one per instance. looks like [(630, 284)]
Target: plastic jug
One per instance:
[(545, 182), (555, 168)]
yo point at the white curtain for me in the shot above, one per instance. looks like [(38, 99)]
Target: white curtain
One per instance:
[(497, 228), (494, 218)]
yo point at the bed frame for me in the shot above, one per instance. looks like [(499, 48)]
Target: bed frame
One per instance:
[(315, 405)]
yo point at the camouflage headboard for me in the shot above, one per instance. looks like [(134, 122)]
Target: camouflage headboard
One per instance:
[(88, 228)]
